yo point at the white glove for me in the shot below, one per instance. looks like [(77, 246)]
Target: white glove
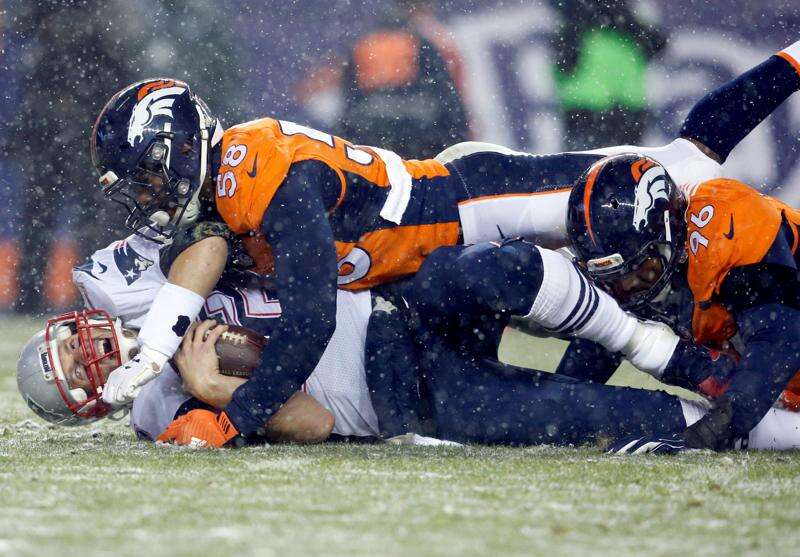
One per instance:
[(651, 346), (125, 382)]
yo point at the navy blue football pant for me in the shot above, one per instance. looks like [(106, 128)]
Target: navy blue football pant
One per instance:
[(460, 302)]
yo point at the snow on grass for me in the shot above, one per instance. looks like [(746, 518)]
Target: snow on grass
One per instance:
[(101, 491)]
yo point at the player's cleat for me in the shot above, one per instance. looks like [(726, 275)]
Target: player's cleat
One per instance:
[(655, 444)]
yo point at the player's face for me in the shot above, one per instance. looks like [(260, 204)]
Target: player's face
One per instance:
[(637, 281), (149, 190), (73, 359)]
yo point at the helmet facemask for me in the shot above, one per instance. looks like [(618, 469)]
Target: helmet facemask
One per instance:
[(154, 195), (43, 381), (652, 269)]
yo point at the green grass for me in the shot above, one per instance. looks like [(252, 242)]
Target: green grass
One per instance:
[(84, 491)]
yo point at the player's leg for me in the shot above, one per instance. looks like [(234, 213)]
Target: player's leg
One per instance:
[(392, 372), (485, 401), (511, 193), (458, 284)]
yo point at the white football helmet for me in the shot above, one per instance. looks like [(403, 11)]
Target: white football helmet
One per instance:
[(40, 376)]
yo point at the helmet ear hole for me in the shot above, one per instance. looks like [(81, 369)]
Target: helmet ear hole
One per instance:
[(614, 203)]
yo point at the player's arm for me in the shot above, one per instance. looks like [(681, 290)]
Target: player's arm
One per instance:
[(192, 276), (301, 420), (724, 117), (297, 229), (765, 301)]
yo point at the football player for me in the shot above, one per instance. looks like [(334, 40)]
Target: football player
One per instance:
[(717, 260), (363, 386), (333, 214), (63, 368)]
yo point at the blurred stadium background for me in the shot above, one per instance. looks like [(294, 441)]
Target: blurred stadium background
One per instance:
[(538, 75)]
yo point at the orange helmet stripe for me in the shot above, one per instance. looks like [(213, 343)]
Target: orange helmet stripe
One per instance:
[(587, 194), (154, 86), (641, 166)]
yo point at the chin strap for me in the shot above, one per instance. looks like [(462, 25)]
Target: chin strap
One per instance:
[(210, 134)]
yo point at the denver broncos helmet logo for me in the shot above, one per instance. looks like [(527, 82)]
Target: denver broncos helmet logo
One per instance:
[(651, 186), (153, 99)]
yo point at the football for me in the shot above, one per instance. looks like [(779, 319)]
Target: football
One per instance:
[(239, 350)]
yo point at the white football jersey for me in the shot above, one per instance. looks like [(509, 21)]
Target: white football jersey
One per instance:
[(339, 381), (124, 278)]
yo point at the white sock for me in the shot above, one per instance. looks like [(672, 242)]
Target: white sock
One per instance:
[(174, 309), (651, 347), (567, 303), (793, 52)]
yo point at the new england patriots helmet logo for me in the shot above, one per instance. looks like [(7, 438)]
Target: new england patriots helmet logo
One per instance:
[(131, 264), (153, 99)]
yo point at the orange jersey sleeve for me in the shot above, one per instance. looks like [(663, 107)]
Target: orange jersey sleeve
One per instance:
[(252, 167), (729, 225)]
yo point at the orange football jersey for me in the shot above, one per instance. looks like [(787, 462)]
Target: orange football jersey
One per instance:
[(391, 243), (730, 225)]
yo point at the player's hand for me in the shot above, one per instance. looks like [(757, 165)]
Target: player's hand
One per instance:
[(655, 444), (197, 358), (200, 429), (714, 430), (125, 382)]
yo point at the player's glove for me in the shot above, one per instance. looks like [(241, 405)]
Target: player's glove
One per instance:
[(125, 382), (713, 431), (655, 444), (200, 429)]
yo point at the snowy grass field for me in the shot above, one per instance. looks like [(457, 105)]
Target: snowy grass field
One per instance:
[(99, 492)]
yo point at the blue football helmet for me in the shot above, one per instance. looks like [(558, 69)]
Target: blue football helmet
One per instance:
[(151, 145), (626, 222)]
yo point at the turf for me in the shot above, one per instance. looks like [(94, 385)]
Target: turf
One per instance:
[(84, 491)]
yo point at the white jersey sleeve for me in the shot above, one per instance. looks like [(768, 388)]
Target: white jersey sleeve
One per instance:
[(122, 278)]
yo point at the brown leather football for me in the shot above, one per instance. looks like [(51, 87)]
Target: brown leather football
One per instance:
[(239, 350)]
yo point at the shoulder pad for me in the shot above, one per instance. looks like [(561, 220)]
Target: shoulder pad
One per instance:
[(253, 165), (729, 224)]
